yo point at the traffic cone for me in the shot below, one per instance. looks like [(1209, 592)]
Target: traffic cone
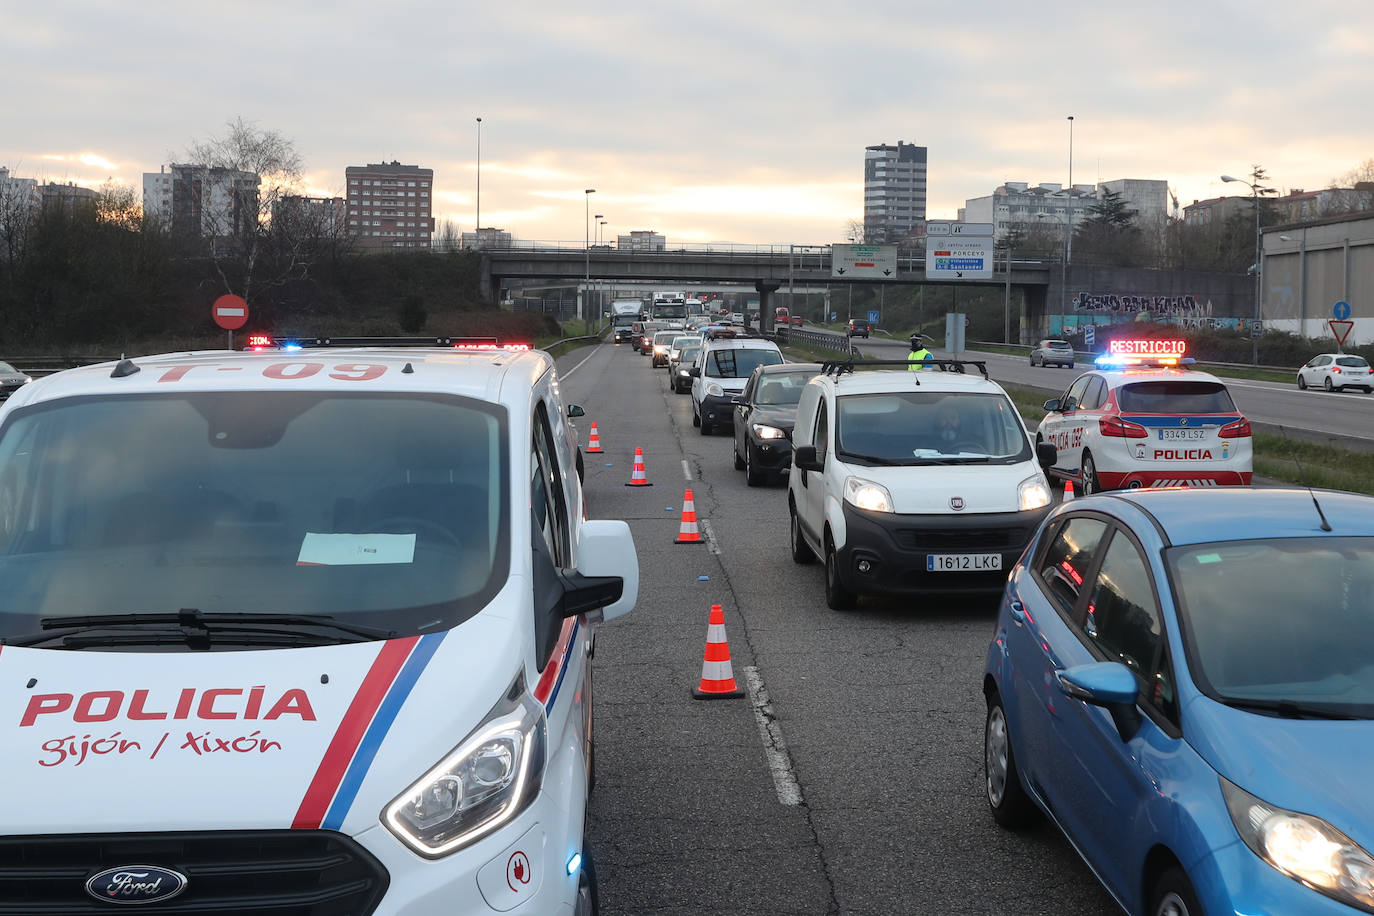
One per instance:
[(638, 478), (688, 533), (594, 443), (717, 678), (1068, 490)]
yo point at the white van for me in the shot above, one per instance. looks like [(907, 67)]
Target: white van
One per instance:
[(288, 630), (722, 368), (908, 482)]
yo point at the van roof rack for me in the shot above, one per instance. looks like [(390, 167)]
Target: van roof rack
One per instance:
[(841, 367)]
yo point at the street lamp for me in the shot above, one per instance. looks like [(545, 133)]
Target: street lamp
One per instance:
[(1259, 318), (1068, 224), (601, 233), (587, 243), (477, 227)]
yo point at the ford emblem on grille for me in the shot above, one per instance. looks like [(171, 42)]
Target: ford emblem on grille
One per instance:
[(956, 503), (135, 884)]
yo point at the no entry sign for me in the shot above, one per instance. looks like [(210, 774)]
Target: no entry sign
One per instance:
[(230, 312)]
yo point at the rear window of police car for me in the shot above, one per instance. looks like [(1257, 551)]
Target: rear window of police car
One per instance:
[(1175, 396)]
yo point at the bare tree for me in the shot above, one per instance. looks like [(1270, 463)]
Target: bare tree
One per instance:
[(248, 173), (118, 204), (1362, 172)]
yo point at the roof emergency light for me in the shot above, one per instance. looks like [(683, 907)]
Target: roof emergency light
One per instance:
[(1145, 352)]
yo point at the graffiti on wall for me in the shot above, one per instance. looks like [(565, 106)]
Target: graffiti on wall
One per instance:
[(1155, 305)]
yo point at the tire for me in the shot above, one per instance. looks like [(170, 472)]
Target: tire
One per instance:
[(581, 466), (1173, 895), (696, 417), (1368, 390), (1090, 482), (1302, 383), (588, 900), (1327, 384), (705, 427), (739, 462), (837, 597), (1011, 807), (802, 554), (1032, 361), (752, 476)]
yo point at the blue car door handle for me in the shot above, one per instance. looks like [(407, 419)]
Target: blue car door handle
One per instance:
[(1018, 612)]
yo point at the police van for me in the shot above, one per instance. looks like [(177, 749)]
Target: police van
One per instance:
[(300, 630), (908, 482), (1142, 418)]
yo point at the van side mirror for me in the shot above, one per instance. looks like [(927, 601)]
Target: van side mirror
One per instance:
[(1046, 454), (609, 571), (804, 457)]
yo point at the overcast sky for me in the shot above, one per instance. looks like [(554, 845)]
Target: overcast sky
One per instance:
[(704, 120)]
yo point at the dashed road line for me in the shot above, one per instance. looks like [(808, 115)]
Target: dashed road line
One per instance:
[(686, 469), (770, 732)]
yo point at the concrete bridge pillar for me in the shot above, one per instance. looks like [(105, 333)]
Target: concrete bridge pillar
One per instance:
[(765, 288)]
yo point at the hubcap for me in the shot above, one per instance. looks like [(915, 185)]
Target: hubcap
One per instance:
[(995, 752), (1172, 905), (1089, 478)]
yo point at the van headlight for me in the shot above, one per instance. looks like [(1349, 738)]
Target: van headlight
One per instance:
[(715, 390), (481, 785), (1032, 493), (1303, 847), (764, 431), (867, 495)]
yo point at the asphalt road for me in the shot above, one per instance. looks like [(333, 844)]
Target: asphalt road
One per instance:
[(1316, 413), (857, 788)]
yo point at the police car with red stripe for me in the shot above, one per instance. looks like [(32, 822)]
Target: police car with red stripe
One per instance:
[(1143, 419), (305, 629)]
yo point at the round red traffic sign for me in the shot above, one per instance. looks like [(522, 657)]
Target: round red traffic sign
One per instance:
[(230, 312)]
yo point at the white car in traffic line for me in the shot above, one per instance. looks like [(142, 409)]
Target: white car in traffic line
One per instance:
[(1336, 372)]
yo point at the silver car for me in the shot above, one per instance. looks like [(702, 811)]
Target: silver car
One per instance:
[(1056, 352), (11, 380)]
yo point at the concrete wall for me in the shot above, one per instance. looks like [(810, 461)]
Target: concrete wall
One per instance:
[(1103, 295), (1309, 268)]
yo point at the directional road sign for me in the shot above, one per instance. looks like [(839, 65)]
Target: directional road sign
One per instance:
[(1340, 328), (872, 316), (863, 262), (959, 251), (1341, 310), (1089, 336)]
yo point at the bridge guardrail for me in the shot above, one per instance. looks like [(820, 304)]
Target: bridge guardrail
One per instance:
[(838, 342)]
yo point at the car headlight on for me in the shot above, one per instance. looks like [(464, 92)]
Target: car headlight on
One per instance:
[(1303, 847), (764, 431), (715, 390), (867, 495), (483, 783), (658, 349), (1032, 493)]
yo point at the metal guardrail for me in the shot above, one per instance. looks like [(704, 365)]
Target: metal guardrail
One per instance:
[(1090, 355), (825, 341)]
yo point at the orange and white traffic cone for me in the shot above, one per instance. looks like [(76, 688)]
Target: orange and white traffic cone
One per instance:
[(637, 477), (717, 678), (594, 441), (688, 533), (1068, 490)]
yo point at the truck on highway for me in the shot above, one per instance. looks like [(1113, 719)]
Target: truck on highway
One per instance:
[(624, 314)]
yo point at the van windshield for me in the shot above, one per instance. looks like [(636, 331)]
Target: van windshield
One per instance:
[(738, 362), (917, 427), (385, 511)]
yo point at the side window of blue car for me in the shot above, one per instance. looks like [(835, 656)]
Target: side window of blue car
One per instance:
[(1069, 559)]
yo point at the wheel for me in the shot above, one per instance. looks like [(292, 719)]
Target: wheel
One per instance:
[(801, 551), (1173, 895), (739, 462), (581, 466), (588, 900), (752, 476), (837, 597), (1327, 384), (1010, 805), (1368, 390), (705, 427), (1090, 485), (696, 416), (1032, 361), (1302, 383)]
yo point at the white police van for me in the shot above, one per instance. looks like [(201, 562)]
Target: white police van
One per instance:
[(299, 631), (910, 482)]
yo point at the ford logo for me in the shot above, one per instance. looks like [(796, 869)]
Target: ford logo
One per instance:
[(134, 884)]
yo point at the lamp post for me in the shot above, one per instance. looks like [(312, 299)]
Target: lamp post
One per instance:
[(1068, 224), (1259, 318), (477, 226), (587, 243), (1006, 301)]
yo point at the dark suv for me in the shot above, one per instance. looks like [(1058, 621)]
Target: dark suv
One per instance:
[(858, 327)]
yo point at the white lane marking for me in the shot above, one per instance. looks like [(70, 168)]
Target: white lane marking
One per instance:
[(710, 534), (774, 747), (686, 470), (579, 365)]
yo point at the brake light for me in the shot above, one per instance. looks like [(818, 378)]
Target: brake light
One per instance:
[(1237, 430), (1336, 369), (1122, 429)]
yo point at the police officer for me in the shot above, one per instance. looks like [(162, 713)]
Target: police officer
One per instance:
[(919, 357)]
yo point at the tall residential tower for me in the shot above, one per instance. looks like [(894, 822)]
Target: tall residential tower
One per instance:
[(389, 205), (894, 191)]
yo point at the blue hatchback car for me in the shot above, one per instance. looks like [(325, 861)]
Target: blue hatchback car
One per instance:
[(1183, 681)]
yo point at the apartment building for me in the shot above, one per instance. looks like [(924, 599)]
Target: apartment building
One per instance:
[(390, 205), (201, 200), (641, 240)]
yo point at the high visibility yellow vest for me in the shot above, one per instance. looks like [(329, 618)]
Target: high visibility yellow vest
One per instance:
[(917, 358)]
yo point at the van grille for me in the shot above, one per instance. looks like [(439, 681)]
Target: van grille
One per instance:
[(954, 540), (282, 872)]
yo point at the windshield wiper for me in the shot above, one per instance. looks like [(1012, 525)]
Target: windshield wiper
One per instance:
[(196, 628), (874, 459), (955, 459), (1289, 709)]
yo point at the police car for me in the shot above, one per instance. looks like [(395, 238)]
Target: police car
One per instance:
[(1142, 419), (300, 631)]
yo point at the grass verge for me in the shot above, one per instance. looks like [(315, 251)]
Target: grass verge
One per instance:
[(1276, 457)]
